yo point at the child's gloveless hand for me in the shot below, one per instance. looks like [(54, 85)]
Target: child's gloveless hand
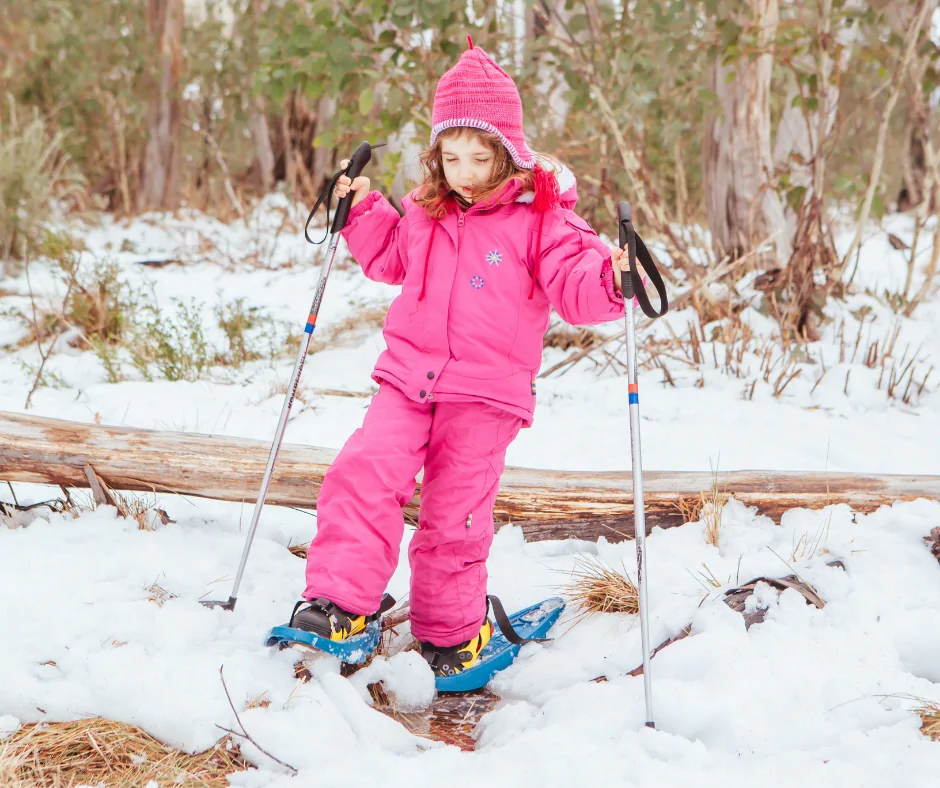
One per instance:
[(620, 261), (360, 187)]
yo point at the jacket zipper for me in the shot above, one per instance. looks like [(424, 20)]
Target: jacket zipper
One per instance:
[(460, 221)]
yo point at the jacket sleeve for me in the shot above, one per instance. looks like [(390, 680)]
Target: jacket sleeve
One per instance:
[(377, 238), (576, 273)]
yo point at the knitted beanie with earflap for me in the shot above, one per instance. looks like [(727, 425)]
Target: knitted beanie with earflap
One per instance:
[(478, 94)]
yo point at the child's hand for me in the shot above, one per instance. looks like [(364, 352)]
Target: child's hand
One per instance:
[(620, 260), (360, 187)]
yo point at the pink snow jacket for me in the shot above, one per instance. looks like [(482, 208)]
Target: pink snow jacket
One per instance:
[(469, 322)]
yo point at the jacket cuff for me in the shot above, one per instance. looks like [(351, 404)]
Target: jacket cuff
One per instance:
[(607, 280), (360, 208)]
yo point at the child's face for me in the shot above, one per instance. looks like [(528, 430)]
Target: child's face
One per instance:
[(468, 164)]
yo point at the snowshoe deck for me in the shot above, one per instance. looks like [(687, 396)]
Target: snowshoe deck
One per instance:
[(353, 651), (531, 622), (499, 654)]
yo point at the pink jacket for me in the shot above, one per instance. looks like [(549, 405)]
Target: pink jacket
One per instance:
[(469, 322)]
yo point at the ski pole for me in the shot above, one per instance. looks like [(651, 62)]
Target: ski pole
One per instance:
[(358, 162), (632, 284)]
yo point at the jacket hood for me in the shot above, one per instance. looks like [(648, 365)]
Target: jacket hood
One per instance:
[(567, 187), (567, 184)]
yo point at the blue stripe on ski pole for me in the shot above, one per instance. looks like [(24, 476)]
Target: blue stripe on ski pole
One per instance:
[(634, 399), (311, 324), (634, 389)]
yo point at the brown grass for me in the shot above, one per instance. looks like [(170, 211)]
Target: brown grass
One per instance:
[(366, 319), (141, 509), (261, 702), (596, 588), (103, 752), (707, 509), (159, 595), (300, 550), (930, 720), (566, 337)]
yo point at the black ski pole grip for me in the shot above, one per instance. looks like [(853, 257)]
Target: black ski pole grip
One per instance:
[(628, 242), (357, 164), (631, 281)]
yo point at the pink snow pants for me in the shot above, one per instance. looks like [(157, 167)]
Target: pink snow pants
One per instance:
[(462, 446)]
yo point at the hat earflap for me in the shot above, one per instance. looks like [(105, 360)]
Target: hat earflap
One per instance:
[(545, 186)]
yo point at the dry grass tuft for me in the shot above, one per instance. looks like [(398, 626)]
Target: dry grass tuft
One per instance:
[(261, 702), (933, 542), (300, 550), (144, 511), (565, 337), (159, 595), (358, 324), (711, 515), (102, 752), (139, 508), (707, 509), (930, 720), (596, 588)]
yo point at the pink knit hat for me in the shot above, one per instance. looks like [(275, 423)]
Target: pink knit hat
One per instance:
[(479, 94)]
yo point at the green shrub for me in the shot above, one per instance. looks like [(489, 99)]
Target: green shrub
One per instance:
[(176, 347), (34, 170)]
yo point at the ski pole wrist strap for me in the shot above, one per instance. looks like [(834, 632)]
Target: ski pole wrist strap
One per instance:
[(327, 196), (633, 286), (360, 158), (649, 266)]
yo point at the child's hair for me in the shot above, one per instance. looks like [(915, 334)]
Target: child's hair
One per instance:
[(434, 191)]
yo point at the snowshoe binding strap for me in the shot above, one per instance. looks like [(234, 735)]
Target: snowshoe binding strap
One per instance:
[(636, 249), (502, 620), (456, 659), (452, 660), (328, 620)]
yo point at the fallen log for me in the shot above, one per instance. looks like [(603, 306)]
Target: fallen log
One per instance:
[(547, 504)]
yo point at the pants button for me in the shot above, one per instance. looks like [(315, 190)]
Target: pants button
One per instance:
[(423, 394), (430, 376)]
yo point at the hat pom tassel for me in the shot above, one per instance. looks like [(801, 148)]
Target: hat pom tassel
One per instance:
[(545, 185)]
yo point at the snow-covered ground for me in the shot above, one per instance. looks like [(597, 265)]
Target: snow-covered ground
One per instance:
[(809, 697)]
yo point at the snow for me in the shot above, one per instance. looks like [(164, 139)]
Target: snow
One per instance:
[(405, 677), (101, 617)]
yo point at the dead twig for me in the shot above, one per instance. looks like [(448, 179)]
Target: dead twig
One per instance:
[(37, 330), (244, 734)]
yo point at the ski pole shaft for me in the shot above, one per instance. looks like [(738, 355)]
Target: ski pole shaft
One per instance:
[(358, 162), (628, 285)]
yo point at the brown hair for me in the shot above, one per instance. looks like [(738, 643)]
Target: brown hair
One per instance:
[(434, 191)]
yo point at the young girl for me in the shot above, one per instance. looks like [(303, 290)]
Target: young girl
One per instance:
[(487, 245)]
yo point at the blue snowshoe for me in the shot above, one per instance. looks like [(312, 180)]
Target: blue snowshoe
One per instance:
[(470, 666), (325, 626)]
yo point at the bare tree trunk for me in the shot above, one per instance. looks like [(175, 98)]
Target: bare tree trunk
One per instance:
[(915, 161), (322, 157), (540, 22), (799, 132), (743, 210), (290, 164), (163, 159), (258, 124), (911, 36)]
